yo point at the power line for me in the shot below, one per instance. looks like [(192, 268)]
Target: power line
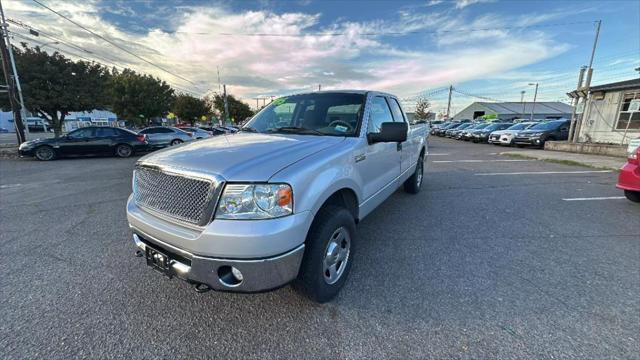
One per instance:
[(112, 43), (110, 64)]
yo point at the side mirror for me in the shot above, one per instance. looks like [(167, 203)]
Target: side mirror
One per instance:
[(390, 132)]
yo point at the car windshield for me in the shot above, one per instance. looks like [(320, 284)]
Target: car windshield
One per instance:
[(464, 126), (334, 114), (481, 126), (492, 127), (520, 126), (547, 125)]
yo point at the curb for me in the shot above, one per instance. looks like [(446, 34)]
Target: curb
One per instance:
[(515, 154)]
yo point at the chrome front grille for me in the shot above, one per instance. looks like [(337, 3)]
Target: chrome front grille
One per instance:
[(176, 195)]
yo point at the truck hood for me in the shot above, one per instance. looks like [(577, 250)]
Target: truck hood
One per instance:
[(241, 156)]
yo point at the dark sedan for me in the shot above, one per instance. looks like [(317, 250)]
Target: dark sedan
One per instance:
[(540, 133), (467, 134), (451, 133), (86, 141), (482, 136)]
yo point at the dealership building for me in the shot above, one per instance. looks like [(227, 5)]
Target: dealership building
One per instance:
[(545, 110)]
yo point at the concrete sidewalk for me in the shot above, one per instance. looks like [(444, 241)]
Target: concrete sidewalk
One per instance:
[(593, 161)]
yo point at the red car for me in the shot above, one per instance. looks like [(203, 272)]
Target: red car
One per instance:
[(629, 178)]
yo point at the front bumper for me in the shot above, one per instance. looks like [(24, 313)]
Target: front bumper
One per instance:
[(26, 152), (257, 274), (536, 141)]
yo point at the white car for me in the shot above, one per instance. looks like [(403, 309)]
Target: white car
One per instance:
[(505, 137), (197, 132)]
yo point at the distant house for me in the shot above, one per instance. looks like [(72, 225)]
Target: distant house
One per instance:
[(516, 110), (612, 113)]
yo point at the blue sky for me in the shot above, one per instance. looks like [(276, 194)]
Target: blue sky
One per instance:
[(411, 48)]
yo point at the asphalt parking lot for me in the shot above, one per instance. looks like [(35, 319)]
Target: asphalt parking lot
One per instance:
[(488, 261)]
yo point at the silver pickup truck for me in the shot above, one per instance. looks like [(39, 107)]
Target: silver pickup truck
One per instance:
[(278, 201)]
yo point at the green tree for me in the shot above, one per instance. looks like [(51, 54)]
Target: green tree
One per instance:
[(238, 110), (422, 109), (53, 85), (189, 108), (137, 97)]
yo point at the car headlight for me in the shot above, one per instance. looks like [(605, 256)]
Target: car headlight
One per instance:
[(537, 134), (255, 201)]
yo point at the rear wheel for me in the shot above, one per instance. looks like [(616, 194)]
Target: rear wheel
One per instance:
[(176, 142), (413, 184), (123, 150), (632, 195), (45, 153), (328, 254)]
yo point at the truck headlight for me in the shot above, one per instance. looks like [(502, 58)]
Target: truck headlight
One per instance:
[(255, 201)]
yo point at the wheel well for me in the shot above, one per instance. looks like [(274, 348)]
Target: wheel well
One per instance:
[(345, 198), (422, 151)]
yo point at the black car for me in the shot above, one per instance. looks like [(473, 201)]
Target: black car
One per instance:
[(540, 133), (443, 129), (86, 141), (451, 133), (467, 134), (482, 135)]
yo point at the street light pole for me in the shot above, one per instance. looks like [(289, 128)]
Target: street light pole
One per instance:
[(11, 77), (535, 95), (522, 101)]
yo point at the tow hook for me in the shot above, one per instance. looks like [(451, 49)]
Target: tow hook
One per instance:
[(202, 288), (139, 253)]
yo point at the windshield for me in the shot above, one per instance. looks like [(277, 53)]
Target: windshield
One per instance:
[(335, 114), (464, 126), (480, 126), (520, 126), (547, 125)]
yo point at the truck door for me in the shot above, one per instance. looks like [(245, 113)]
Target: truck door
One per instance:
[(380, 165), (409, 148)]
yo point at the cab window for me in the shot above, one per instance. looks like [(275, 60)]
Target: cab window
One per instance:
[(396, 111), (380, 113)]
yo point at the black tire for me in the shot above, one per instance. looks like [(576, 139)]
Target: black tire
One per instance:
[(633, 196), (519, 145), (124, 150), (44, 153), (413, 184), (313, 279), (175, 142)]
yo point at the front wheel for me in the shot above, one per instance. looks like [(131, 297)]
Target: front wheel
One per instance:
[(632, 195), (176, 142), (413, 184), (328, 254), (124, 151), (45, 153)]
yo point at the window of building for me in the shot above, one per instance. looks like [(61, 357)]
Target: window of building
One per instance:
[(629, 113)]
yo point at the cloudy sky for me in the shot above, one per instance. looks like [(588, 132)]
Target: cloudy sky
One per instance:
[(484, 48)]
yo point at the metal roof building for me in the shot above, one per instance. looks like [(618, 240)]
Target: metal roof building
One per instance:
[(514, 110)]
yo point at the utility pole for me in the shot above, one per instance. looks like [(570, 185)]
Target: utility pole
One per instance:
[(522, 101), (574, 104), (449, 102), (319, 87), (226, 105), (218, 70), (587, 85), (257, 105), (10, 78), (535, 96)]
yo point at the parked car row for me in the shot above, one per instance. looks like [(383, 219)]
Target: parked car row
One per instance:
[(505, 133), (105, 140)]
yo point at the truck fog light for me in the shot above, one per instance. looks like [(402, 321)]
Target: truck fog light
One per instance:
[(229, 276), (236, 273)]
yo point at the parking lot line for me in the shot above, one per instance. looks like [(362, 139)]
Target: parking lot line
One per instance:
[(480, 161), (596, 198), (544, 172)]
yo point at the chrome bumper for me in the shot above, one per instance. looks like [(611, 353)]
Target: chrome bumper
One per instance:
[(257, 274)]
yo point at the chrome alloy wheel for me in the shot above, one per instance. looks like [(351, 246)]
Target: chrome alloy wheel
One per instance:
[(419, 172), (336, 255)]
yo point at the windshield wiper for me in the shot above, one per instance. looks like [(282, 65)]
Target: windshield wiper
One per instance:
[(249, 129), (296, 130)]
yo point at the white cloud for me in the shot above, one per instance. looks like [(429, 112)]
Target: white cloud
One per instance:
[(461, 4), (193, 45)]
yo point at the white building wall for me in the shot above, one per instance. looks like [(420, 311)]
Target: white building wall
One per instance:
[(601, 118)]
